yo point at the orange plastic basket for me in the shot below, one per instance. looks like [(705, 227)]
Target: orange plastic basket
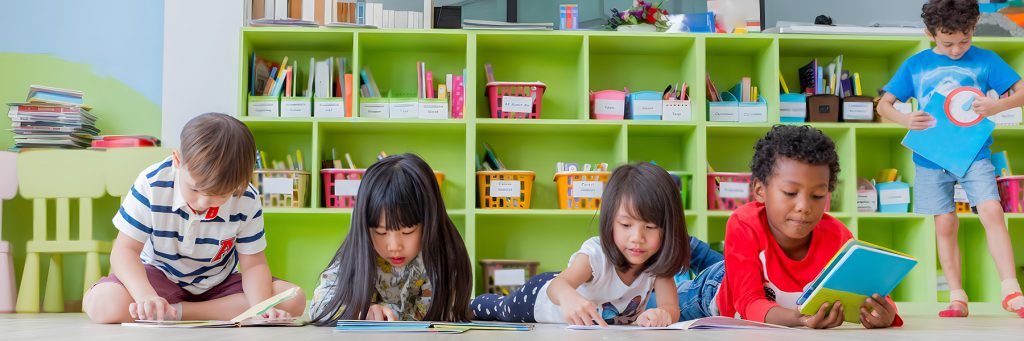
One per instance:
[(580, 190), (505, 189)]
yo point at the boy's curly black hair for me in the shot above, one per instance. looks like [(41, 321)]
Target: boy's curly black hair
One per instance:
[(950, 16), (800, 143)]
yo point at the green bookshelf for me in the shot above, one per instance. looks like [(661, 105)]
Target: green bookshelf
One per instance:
[(303, 240)]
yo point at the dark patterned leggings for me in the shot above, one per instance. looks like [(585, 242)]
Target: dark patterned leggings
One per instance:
[(517, 307)]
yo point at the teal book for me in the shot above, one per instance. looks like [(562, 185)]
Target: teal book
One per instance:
[(856, 272)]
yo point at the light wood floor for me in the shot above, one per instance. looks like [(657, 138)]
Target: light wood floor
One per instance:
[(77, 327)]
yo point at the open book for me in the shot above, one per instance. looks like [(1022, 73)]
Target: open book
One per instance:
[(359, 326), (245, 319), (857, 271), (706, 323)]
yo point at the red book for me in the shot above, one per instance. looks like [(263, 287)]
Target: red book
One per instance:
[(47, 108), (430, 84), (348, 95), (458, 96)]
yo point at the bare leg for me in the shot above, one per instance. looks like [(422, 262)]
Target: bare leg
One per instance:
[(227, 307), (946, 227), (1000, 248), (107, 303)]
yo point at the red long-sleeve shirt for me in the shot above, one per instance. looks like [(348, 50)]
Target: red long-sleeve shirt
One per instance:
[(759, 275)]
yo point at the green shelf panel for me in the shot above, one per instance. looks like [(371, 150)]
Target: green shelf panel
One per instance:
[(879, 149), (299, 246), (914, 235), (1016, 228), (675, 148), (392, 57), (1010, 49), (297, 45), (1012, 141), (642, 63), (539, 147), (556, 60), (548, 239), (441, 144), (729, 58), (876, 59)]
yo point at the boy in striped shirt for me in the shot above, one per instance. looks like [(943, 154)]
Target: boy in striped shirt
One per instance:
[(186, 226)]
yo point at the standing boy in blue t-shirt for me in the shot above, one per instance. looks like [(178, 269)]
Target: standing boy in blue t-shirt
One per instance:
[(954, 63)]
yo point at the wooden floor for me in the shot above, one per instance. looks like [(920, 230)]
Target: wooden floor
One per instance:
[(76, 327)]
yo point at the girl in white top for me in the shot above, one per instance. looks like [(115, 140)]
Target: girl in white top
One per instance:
[(642, 244)]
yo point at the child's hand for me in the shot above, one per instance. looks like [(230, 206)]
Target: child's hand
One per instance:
[(151, 308), (656, 317), (577, 310), (918, 120), (274, 313), (986, 106), (380, 313), (882, 312), (825, 318)]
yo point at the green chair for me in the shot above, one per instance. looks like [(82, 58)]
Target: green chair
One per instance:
[(130, 162), (60, 176), (8, 188)]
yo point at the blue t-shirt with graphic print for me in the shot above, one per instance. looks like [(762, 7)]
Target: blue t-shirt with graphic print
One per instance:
[(927, 73)]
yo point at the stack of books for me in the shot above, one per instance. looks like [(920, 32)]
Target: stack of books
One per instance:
[(52, 118)]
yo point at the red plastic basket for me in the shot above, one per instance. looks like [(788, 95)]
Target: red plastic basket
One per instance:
[(497, 91), (736, 194), (1011, 193), (331, 177)]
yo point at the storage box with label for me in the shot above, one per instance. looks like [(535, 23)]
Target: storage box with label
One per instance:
[(433, 108), (963, 205), (823, 108), (728, 191), (374, 107), (297, 107), (644, 106), (792, 108), (403, 107), (608, 105), (282, 188), (505, 189), (505, 276), (676, 110), (752, 112), (340, 186), (264, 106), (858, 109), (893, 197), (580, 190), (726, 110), (515, 99), (329, 107), (867, 196)]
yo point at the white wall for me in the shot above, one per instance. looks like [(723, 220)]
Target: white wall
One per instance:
[(201, 55)]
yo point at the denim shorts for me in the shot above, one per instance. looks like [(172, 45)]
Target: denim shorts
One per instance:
[(933, 188)]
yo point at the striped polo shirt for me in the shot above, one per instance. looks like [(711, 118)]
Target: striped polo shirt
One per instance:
[(197, 251)]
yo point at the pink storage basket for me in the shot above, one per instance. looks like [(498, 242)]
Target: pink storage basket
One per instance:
[(331, 177), (734, 186), (1011, 193), (606, 97), (497, 91)]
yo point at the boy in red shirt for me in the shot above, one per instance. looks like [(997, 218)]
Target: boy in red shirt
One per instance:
[(777, 245)]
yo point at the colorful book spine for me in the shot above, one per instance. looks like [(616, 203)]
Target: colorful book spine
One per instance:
[(458, 96)]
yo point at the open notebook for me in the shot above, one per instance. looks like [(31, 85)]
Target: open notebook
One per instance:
[(245, 319), (358, 326), (858, 270), (707, 323)]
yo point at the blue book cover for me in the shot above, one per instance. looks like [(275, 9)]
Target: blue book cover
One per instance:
[(858, 271), (953, 147), (50, 97)]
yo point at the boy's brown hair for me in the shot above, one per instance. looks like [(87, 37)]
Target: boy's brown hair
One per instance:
[(220, 153), (950, 16)]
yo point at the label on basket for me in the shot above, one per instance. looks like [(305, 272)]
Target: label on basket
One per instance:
[(587, 189), (609, 107), (517, 104), (277, 185), (347, 188), (858, 111), (894, 196), (647, 107), (793, 109), (505, 188), (959, 194), (503, 277), (734, 190)]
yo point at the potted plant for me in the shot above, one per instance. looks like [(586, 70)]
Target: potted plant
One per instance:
[(644, 16)]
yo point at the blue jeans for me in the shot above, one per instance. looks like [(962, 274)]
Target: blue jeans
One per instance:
[(709, 266)]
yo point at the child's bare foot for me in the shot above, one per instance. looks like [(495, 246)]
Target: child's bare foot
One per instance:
[(956, 308)]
